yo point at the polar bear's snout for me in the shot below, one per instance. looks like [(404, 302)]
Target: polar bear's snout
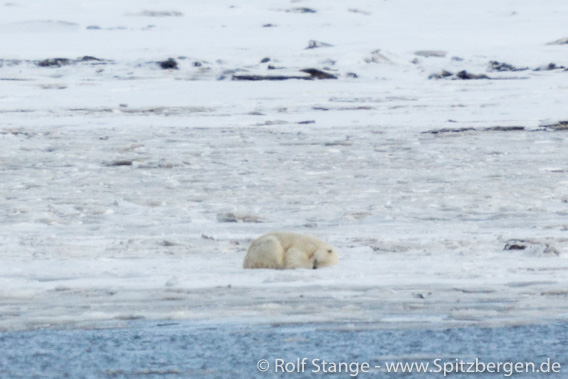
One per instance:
[(326, 255)]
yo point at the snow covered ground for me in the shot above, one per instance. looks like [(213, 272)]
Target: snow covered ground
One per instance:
[(119, 179)]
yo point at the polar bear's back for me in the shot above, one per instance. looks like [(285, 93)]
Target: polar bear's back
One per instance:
[(302, 242), (265, 252)]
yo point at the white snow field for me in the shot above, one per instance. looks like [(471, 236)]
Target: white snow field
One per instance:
[(128, 191)]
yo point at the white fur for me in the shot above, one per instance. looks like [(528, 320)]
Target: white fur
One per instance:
[(286, 250)]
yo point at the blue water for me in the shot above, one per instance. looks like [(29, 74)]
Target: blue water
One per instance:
[(187, 350)]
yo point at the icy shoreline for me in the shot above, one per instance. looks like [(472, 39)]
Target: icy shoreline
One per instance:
[(396, 290)]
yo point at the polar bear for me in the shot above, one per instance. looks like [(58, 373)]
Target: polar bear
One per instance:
[(286, 250)]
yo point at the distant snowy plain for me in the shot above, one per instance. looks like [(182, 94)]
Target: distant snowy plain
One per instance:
[(128, 191)]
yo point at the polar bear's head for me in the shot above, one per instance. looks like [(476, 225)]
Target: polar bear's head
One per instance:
[(325, 256)]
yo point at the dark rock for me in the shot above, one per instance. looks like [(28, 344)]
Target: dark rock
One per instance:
[(312, 44), (448, 130), (255, 78), (10, 62), (318, 74), (503, 67), (169, 64), (265, 60), (558, 126), (197, 64), (561, 41), (532, 247), (123, 162), (553, 66), (464, 75), (550, 67), (377, 57), (504, 128), (470, 129), (359, 11), (53, 86), (515, 246), (431, 53), (352, 75), (88, 58), (306, 122), (93, 27), (314, 74), (169, 243), (345, 142), (55, 62), (268, 26), (227, 217), (302, 10), (443, 74)]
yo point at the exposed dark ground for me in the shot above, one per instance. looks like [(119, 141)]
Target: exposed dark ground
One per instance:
[(184, 349)]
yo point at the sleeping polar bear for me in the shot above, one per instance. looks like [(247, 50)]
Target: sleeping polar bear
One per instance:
[(287, 250)]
